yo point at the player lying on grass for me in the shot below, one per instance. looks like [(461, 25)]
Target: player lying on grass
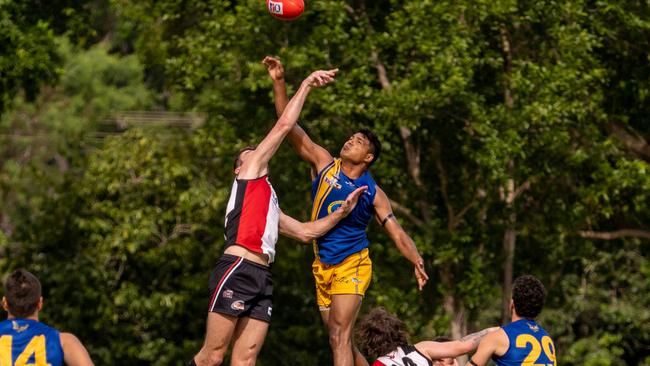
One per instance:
[(382, 337)]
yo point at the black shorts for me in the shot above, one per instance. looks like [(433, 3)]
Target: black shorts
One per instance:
[(241, 288)]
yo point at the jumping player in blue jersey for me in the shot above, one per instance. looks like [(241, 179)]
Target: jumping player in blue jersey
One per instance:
[(26, 341), (342, 268), (523, 342)]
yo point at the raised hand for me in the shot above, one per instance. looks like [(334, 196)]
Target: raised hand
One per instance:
[(421, 274), (321, 77), (274, 67), (351, 201)]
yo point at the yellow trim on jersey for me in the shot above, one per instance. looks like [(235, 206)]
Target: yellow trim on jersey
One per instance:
[(321, 194), (324, 189)]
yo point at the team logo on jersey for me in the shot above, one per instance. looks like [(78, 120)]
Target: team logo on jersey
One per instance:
[(18, 328), (334, 206), (333, 181), (356, 280), (237, 305), (269, 311), (227, 294), (533, 327)]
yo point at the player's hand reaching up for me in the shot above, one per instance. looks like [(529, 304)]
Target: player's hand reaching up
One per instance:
[(421, 274), (274, 67), (321, 77), (351, 201)]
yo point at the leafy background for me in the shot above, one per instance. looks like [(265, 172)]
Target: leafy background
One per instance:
[(515, 141)]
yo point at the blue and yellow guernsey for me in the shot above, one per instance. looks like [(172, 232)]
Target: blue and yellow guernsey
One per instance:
[(29, 342), (330, 188), (530, 345)]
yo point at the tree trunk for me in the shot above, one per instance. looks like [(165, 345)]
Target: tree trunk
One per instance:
[(456, 312), (510, 235), (509, 242)]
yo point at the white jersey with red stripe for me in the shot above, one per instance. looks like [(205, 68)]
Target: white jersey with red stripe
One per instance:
[(253, 216), (403, 356)]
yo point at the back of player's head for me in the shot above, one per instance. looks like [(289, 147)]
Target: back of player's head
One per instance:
[(375, 144), (380, 333), (528, 296), (238, 161), (23, 293)]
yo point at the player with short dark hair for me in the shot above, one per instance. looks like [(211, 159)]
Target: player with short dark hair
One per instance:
[(383, 337), (241, 289), (342, 253), (523, 341), (23, 339)]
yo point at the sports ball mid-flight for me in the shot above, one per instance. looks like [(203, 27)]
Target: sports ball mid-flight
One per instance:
[(286, 9)]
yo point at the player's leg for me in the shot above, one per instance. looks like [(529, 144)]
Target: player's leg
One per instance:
[(253, 326), (222, 313), (341, 318), (359, 359), (248, 340), (351, 280), (219, 331)]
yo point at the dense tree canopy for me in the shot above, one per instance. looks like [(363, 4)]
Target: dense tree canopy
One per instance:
[(515, 141)]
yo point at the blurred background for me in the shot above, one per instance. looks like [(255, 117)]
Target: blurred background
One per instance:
[(515, 139)]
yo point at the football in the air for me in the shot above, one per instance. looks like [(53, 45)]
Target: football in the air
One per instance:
[(285, 9)]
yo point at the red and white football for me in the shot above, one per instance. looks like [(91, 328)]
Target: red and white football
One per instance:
[(286, 9)]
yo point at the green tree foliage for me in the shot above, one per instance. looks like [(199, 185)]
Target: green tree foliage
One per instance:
[(515, 141), (27, 56)]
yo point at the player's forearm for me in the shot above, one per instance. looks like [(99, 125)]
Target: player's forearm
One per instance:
[(471, 341), (280, 96), (290, 115), (407, 247), (316, 229)]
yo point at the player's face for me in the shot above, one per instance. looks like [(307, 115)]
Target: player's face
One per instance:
[(243, 156), (357, 149)]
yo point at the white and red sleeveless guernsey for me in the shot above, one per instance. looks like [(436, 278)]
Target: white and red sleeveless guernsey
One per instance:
[(253, 216), (403, 356)]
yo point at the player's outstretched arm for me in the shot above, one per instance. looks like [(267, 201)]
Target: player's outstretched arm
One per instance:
[(468, 343), (495, 343), (257, 163), (402, 241), (308, 151), (308, 231), (74, 352), (276, 72)]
